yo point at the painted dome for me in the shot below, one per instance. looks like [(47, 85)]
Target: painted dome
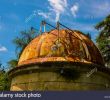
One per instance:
[(61, 46)]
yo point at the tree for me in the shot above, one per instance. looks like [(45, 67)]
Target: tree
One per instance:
[(88, 35), (12, 63), (21, 42), (4, 81), (103, 39)]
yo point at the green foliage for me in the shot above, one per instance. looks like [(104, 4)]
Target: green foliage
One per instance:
[(104, 27), (12, 63), (103, 39), (4, 81), (20, 42), (88, 35), (23, 40)]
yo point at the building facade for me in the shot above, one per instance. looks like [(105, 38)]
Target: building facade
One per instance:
[(60, 60)]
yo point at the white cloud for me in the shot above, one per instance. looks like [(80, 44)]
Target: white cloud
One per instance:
[(3, 49), (45, 15), (58, 6), (74, 9)]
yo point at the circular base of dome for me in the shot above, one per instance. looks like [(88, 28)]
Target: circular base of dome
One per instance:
[(48, 76), (53, 59)]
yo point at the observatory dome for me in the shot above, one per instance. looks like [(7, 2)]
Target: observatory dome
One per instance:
[(61, 46)]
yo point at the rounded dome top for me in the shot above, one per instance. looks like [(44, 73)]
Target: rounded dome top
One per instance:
[(63, 45)]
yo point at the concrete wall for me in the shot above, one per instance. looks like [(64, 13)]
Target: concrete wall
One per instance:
[(52, 80)]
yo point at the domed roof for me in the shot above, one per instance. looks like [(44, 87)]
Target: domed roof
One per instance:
[(61, 46)]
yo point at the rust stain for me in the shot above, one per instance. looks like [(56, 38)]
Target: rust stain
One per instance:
[(70, 46)]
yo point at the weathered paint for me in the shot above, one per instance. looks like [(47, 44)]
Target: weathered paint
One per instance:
[(68, 47)]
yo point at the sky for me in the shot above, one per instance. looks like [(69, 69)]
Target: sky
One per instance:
[(19, 15)]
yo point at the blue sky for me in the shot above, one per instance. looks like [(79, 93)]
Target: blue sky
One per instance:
[(18, 15)]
